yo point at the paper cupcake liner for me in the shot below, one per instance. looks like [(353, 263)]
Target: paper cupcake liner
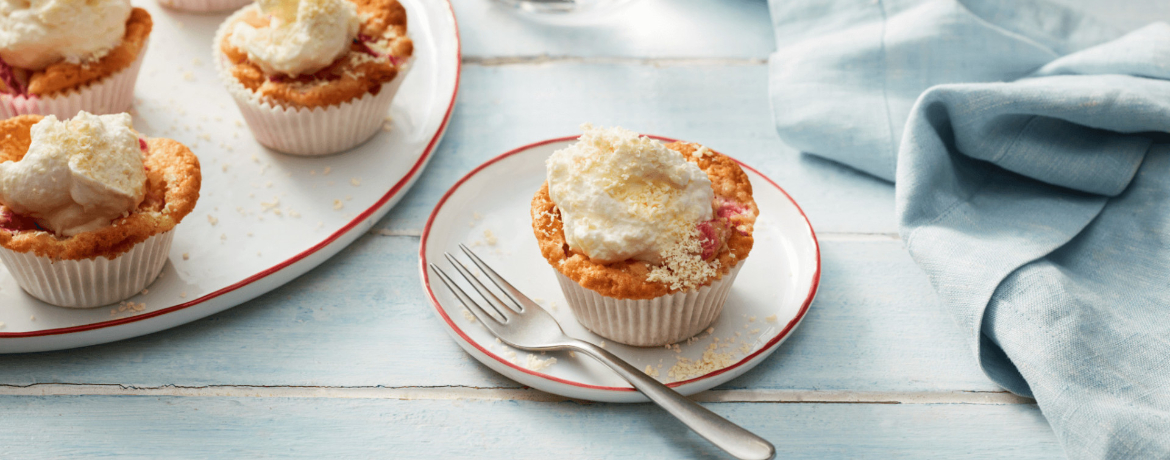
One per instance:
[(204, 6), (111, 94), (302, 131), (92, 282), (649, 322)]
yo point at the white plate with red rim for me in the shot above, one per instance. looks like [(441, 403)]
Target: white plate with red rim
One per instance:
[(263, 218), (488, 210)]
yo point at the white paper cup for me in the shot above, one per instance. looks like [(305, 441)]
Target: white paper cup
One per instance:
[(303, 131), (204, 6), (91, 282), (111, 94), (649, 322)]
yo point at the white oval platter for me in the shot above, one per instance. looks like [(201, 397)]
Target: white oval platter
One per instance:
[(263, 218), (488, 209)]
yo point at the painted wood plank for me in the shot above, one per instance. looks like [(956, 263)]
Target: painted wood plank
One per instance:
[(876, 323), (314, 427), (450, 393), (361, 320), (502, 107), (177, 427), (671, 29), (646, 28)]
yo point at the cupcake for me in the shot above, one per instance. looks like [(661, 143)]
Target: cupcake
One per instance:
[(88, 207), (59, 57), (646, 238), (314, 77), (204, 6)]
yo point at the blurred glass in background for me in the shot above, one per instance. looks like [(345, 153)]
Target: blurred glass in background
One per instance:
[(565, 11)]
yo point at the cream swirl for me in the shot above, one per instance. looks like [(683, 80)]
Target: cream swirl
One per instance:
[(78, 174), (37, 33), (302, 36), (622, 196)]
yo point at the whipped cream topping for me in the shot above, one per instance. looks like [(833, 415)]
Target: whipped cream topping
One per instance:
[(78, 174), (302, 36), (623, 196), (37, 33)]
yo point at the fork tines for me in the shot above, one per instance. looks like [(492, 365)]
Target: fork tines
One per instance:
[(504, 311)]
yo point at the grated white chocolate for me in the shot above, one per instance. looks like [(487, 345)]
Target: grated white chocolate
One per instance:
[(622, 196), (682, 265)]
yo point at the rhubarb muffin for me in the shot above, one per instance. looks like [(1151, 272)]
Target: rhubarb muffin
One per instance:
[(314, 77), (59, 57), (88, 206), (646, 238)]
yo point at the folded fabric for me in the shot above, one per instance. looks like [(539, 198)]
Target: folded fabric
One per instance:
[(1032, 170)]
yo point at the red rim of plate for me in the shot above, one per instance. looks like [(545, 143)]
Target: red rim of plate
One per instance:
[(414, 171), (812, 291)]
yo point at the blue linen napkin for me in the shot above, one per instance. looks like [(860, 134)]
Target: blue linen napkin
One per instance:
[(1031, 160)]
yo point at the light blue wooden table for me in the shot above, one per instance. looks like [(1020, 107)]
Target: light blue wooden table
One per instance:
[(348, 360)]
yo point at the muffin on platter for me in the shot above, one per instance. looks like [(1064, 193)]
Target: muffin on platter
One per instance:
[(88, 206), (646, 238), (59, 57), (314, 77)]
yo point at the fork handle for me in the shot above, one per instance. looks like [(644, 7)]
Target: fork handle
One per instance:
[(728, 436)]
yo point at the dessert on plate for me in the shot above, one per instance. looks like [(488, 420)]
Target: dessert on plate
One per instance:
[(646, 238), (88, 206), (314, 77), (59, 57)]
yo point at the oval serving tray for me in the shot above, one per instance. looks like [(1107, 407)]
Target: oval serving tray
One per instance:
[(263, 218)]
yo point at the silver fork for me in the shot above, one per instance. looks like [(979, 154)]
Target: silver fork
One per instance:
[(525, 325)]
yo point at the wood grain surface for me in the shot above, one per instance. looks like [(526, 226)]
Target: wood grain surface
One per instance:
[(248, 427), (349, 362)]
